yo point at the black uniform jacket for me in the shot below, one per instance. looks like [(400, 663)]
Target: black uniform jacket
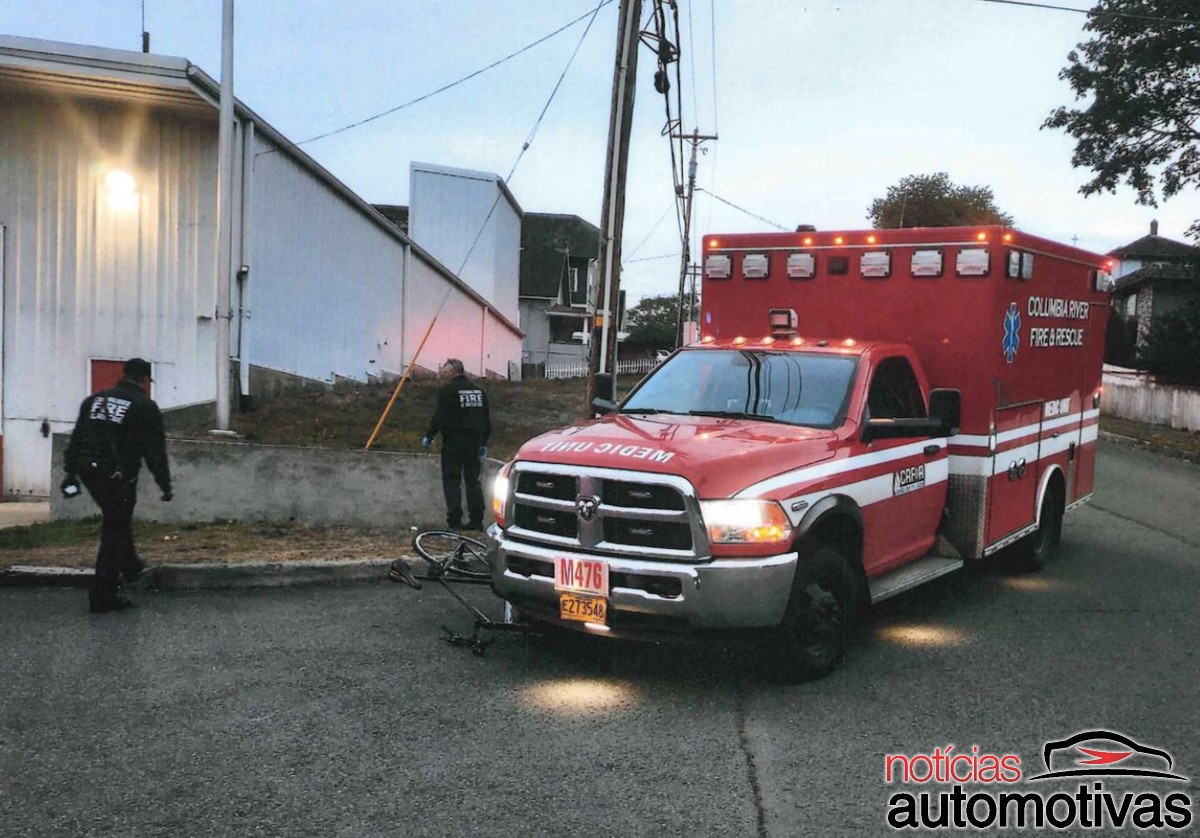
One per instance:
[(462, 412), (117, 428)]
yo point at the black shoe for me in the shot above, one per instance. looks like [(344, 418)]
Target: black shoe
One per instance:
[(102, 605), (134, 571), (477, 526)]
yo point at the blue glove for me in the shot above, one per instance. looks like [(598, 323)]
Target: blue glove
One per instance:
[(426, 442), (483, 452)]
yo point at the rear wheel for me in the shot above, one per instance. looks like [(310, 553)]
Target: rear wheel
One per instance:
[(454, 554), (1035, 549), (812, 639)]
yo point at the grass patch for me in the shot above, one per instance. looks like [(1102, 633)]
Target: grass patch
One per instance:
[(345, 415), (1179, 443)]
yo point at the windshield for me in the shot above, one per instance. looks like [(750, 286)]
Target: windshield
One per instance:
[(791, 387)]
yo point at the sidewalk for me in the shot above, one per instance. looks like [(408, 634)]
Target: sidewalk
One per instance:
[(21, 514), (194, 575)]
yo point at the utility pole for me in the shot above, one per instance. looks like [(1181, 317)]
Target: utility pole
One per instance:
[(685, 259), (603, 357), (223, 314)]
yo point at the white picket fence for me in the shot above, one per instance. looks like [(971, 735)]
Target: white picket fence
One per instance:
[(1132, 395), (579, 369)]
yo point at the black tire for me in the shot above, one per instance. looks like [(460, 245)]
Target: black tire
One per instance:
[(1034, 550), (456, 554), (812, 639)]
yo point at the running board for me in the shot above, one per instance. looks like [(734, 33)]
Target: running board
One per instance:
[(910, 575)]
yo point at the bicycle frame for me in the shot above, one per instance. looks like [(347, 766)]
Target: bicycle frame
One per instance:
[(443, 574)]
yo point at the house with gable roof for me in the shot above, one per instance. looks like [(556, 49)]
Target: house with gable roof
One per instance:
[(1153, 277)]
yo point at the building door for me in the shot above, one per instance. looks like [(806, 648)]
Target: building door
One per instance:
[(104, 374)]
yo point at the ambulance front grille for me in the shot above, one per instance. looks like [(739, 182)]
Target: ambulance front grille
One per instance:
[(598, 511)]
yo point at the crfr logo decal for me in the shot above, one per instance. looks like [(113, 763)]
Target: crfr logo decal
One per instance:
[(908, 480)]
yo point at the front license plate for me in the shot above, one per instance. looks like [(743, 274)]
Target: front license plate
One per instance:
[(581, 576), (586, 609)]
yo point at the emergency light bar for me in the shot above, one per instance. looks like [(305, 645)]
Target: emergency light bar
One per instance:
[(755, 265), (717, 266), (801, 265)]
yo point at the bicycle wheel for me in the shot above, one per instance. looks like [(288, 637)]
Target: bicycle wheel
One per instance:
[(454, 554)]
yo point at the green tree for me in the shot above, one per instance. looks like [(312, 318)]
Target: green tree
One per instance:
[(1172, 347), (934, 201), (652, 321), (1140, 77)]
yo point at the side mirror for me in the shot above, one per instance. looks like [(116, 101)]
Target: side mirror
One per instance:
[(602, 406), (946, 407), (605, 399), (901, 428)]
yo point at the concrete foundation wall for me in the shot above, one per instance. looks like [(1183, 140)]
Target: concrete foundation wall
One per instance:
[(315, 486)]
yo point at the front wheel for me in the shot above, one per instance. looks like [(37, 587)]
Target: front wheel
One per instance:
[(811, 641), (454, 554)]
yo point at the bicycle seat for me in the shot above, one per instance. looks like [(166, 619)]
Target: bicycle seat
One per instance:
[(401, 572)]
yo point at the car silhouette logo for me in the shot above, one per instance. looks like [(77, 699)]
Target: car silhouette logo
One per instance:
[(1108, 754)]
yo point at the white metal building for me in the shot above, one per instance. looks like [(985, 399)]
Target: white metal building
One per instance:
[(108, 249), (471, 222)]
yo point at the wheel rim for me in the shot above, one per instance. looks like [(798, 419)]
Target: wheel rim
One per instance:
[(821, 623)]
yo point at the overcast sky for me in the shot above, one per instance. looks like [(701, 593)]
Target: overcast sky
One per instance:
[(819, 105)]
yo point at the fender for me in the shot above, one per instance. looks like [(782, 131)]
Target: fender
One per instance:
[(826, 505), (1044, 487)]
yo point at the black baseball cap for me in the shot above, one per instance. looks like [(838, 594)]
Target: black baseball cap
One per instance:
[(137, 368)]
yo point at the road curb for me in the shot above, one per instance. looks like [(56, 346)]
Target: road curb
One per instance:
[(1152, 447), (211, 575)]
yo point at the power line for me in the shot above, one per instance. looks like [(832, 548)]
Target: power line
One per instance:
[(444, 88), (743, 209), (651, 258), (712, 21), (1091, 12), (692, 61), (646, 237), (533, 131)]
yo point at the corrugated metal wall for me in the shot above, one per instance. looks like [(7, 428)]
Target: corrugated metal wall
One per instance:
[(325, 281), (449, 217), (95, 273), (328, 294), (91, 273)]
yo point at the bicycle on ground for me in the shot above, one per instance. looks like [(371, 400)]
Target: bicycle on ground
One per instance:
[(451, 559)]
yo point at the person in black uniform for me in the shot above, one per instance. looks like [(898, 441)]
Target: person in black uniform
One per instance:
[(464, 421), (117, 428)]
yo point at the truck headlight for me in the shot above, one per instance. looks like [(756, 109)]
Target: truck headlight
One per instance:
[(745, 521), (500, 495)]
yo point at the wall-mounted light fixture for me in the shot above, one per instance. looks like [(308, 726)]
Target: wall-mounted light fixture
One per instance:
[(121, 189)]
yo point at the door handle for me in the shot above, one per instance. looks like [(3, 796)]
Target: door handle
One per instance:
[(932, 450)]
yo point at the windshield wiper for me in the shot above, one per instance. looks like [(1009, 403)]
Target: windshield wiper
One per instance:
[(733, 414), (646, 410)]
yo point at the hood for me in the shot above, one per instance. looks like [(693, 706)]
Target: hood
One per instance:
[(718, 456)]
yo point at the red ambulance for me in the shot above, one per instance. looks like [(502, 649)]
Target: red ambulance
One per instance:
[(865, 411)]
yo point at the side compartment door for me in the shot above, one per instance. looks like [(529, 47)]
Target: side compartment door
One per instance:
[(1012, 493), (910, 475)]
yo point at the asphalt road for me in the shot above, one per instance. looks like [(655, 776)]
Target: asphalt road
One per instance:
[(338, 711)]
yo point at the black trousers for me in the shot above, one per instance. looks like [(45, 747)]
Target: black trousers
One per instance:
[(460, 466), (116, 499)]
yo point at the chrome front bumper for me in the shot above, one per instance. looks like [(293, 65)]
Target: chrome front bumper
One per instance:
[(713, 594)]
